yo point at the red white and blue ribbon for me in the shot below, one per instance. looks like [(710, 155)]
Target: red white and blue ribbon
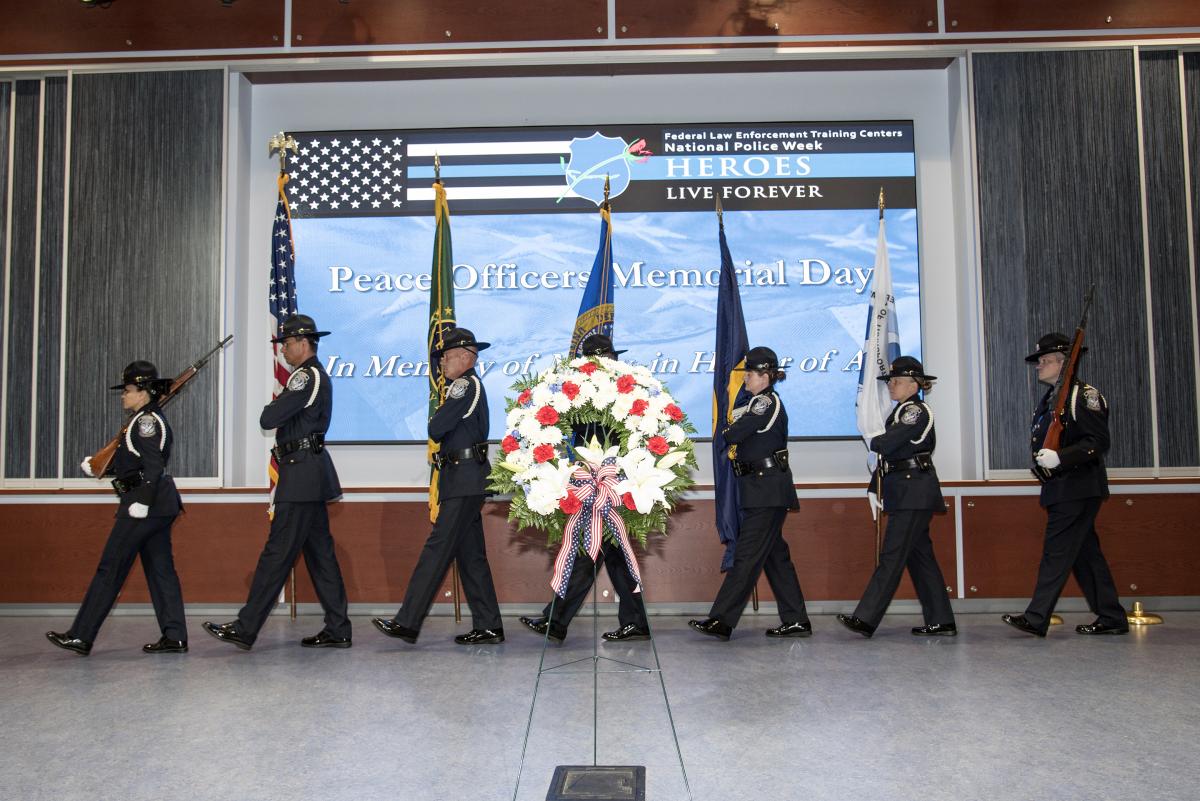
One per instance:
[(585, 530)]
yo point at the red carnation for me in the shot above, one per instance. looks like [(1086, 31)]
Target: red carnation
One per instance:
[(674, 412), (510, 444), (627, 498), (657, 445), (570, 390), (547, 416), (543, 453), (626, 383), (570, 504), (523, 398), (587, 369), (639, 407)]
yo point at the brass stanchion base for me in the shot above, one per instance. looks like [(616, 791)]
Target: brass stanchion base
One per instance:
[(1055, 620), (1140, 617)]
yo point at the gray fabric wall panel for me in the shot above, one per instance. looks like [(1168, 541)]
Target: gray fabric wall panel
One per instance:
[(1191, 68), (1170, 282), (1056, 137), (50, 285), (6, 89), (22, 263), (144, 253)]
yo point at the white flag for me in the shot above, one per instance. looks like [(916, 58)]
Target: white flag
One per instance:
[(881, 348)]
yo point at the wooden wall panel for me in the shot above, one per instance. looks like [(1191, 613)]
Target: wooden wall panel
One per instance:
[(709, 18), (68, 26), (361, 22), (976, 16)]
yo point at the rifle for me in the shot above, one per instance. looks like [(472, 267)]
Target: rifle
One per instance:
[(1062, 389), (102, 458)]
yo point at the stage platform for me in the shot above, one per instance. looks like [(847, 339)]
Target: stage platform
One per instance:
[(991, 715)]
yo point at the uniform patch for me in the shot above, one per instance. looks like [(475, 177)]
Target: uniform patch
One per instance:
[(147, 426), (910, 415), (299, 380), (1091, 396), (457, 389), (760, 405)]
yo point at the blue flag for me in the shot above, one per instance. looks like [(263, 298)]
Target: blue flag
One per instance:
[(596, 308), (730, 352)]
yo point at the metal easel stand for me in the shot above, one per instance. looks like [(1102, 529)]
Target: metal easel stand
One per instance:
[(572, 667)]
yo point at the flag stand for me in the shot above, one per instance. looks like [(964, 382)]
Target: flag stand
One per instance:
[(292, 591)]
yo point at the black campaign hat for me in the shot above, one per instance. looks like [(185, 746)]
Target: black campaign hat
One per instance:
[(907, 367), (761, 358), (459, 338), (143, 375), (598, 345), (299, 325), (1053, 342)]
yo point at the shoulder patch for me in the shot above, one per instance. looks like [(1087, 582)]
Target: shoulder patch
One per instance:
[(299, 380), (1093, 399), (147, 426), (910, 415), (457, 389), (761, 404)]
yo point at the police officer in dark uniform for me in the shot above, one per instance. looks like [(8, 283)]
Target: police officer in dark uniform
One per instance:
[(307, 482), (766, 494), (631, 610), (460, 427), (149, 504), (1074, 484), (911, 494)]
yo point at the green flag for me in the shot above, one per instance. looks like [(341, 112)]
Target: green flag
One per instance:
[(441, 319)]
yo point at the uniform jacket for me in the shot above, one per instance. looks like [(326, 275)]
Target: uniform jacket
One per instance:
[(1082, 447), (459, 423), (760, 431), (303, 409), (909, 431), (144, 452)]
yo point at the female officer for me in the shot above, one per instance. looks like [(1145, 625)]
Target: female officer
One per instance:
[(911, 494), (766, 493), (149, 504)]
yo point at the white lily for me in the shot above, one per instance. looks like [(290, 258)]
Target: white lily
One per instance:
[(671, 459), (644, 480), (593, 455)]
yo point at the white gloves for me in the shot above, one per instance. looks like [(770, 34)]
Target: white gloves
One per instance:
[(86, 466), (1048, 459), (738, 411), (138, 510)]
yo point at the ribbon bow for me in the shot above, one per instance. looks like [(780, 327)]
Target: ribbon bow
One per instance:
[(596, 489)]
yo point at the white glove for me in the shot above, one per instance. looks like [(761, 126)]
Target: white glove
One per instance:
[(738, 411), (86, 466), (1048, 459), (138, 510)]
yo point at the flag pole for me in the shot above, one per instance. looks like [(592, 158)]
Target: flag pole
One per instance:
[(878, 473)]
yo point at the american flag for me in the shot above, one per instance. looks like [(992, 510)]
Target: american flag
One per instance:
[(351, 173), (281, 296)]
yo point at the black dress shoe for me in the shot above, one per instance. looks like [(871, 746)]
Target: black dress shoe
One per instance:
[(1101, 628), (791, 630), (227, 632), (712, 627), (393, 629), (857, 625), (324, 639), (1019, 622), (537, 624), (481, 637), (166, 646), (81, 647), (630, 631), (936, 630)]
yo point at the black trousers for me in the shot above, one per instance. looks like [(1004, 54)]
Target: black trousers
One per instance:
[(296, 528), (906, 543), (1072, 546), (631, 609), (149, 538), (457, 535), (760, 548)]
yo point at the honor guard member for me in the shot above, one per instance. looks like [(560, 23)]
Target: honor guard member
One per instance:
[(149, 504), (460, 427), (911, 494), (766, 494), (1074, 484), (631, 610), (307, 482)]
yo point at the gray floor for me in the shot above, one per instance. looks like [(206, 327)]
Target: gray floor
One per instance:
[(992, 714)]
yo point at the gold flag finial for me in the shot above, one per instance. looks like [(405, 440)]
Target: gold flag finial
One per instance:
[(607, 187), (283, 143), (881, 202), (720, 213), (437, 168)]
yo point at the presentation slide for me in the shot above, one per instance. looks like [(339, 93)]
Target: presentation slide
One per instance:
[(801, 217)]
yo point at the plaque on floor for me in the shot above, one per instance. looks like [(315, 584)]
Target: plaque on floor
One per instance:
[(598, 783)]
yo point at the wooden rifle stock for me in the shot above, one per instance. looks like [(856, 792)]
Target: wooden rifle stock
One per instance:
[(1062, 387), (102, 459)]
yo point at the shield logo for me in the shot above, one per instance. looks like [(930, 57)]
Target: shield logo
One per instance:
[(591, 160)]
